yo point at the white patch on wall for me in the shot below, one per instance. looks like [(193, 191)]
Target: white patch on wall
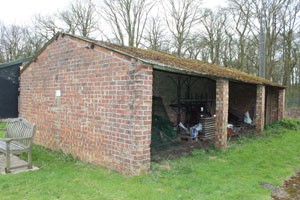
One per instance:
[(57, 93)]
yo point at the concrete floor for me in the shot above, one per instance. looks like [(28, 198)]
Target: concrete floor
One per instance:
[(14, 162)]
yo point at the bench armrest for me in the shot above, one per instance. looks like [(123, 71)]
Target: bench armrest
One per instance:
[(7, 140)]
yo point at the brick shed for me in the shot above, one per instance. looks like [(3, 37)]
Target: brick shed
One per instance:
[(94, 100)]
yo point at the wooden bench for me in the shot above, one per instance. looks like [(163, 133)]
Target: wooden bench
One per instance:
[(18, 138)]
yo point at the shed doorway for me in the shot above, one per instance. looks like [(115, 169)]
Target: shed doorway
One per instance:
[(271, 112), (242, 108), (180, 102)]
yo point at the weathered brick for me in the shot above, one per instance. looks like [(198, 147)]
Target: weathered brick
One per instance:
[(94, 118), (222, 101), (260, 108), (281, 104)]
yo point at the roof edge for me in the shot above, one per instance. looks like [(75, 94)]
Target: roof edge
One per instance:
[(34, 58), (15, 62)]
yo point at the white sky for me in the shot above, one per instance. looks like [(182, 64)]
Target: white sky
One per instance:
[(21, 11)]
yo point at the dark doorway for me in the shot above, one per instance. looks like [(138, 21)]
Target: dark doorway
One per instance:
[(9, 85)]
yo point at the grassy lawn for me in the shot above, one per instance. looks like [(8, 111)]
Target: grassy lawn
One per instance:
[(231, 174), (2, 125)]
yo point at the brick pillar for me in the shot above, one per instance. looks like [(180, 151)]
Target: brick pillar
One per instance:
[(222, 96), (142, 119), (281, 103), (260, 108)]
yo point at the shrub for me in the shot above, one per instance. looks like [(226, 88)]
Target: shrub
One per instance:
[(291, 124), (160, 124)]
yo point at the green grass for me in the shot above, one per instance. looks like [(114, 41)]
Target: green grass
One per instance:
[(231, 174), (2, 125)]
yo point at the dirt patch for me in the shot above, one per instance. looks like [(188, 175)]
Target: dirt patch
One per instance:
[(277, 192), (169, 150), (177, 149), (291, 189)]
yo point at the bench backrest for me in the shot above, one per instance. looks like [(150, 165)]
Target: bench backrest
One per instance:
[(20, 128)]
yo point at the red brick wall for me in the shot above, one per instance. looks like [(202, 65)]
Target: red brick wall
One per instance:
[(260, 108), (281, 104), (103, 115)]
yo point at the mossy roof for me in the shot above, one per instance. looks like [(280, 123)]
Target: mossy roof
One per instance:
[(169, 62), (191, 65)]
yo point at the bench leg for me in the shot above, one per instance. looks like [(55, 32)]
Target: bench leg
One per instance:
[(30, 159), (7, 166)]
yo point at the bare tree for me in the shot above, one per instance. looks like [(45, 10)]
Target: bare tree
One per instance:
[(13, 42), (180, 17), (1, 58), (45, 26), (17, 42), (270, 11), (229, 50), (155, 37), (273, 29), (194, 47), (214, 25), (127, 19), (241, 12), (33, 42), (80, 18), (289, 42), (69, 19), (276, 17), (2, 50)]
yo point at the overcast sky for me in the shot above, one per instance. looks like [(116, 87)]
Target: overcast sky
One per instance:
[(21, 11)]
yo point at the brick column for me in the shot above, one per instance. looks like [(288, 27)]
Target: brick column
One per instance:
[(222, 96), (260, 108), (281, 103), (142, 82)]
